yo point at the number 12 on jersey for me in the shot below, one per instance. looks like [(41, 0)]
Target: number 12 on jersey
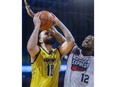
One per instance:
[(50, 68), (85, 78)]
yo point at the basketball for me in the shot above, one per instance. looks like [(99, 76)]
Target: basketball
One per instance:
[(46, 19)]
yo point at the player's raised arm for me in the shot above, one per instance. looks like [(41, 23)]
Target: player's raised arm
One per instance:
[(29, 11), (32, 46), (69, 42), (57, 35)]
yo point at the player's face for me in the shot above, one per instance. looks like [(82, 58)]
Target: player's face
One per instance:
[(88, 42), (47, 38)]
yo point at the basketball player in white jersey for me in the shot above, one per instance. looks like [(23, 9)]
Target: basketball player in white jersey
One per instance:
[(80, 65)]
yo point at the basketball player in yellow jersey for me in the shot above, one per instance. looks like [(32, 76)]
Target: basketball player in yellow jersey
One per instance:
[(46, 60)]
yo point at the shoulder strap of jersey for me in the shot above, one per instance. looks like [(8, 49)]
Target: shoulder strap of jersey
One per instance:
[(59, 52)]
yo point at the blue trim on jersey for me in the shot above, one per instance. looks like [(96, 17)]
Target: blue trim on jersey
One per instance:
[(26, 69)]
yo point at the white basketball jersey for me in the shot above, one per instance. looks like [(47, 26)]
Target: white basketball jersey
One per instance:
[(80, 70)]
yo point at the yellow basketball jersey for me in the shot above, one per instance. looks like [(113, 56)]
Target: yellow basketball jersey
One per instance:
[(45, 69)]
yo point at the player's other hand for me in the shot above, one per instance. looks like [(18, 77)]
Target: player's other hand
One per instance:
[(36, 19), (56, 21)]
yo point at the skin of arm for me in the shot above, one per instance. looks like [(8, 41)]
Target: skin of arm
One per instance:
[(32, 46), (29, 11), (57, 35), (67, 45)]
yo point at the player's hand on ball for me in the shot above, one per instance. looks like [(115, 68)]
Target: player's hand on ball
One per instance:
[(56, 20), (36, 19)]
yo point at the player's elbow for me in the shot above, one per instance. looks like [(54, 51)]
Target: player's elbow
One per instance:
[(71, 41), (29, 48)]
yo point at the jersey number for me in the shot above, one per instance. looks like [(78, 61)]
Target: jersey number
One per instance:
[(50, 68), (84, 78)]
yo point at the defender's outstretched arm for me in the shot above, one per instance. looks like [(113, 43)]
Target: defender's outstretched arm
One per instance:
[(29, 11)]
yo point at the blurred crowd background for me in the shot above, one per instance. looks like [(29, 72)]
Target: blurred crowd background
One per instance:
[(77, 15)]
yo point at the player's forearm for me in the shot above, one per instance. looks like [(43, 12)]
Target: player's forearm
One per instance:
[(29, 11), (58, 36), (66, 32), (33, 40)]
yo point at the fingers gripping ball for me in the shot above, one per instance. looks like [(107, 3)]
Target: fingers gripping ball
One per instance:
[(47, 20)]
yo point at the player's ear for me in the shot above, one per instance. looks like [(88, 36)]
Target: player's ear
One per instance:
[(40, 40)]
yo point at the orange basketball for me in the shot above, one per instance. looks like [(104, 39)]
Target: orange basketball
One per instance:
[(46, 20)]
